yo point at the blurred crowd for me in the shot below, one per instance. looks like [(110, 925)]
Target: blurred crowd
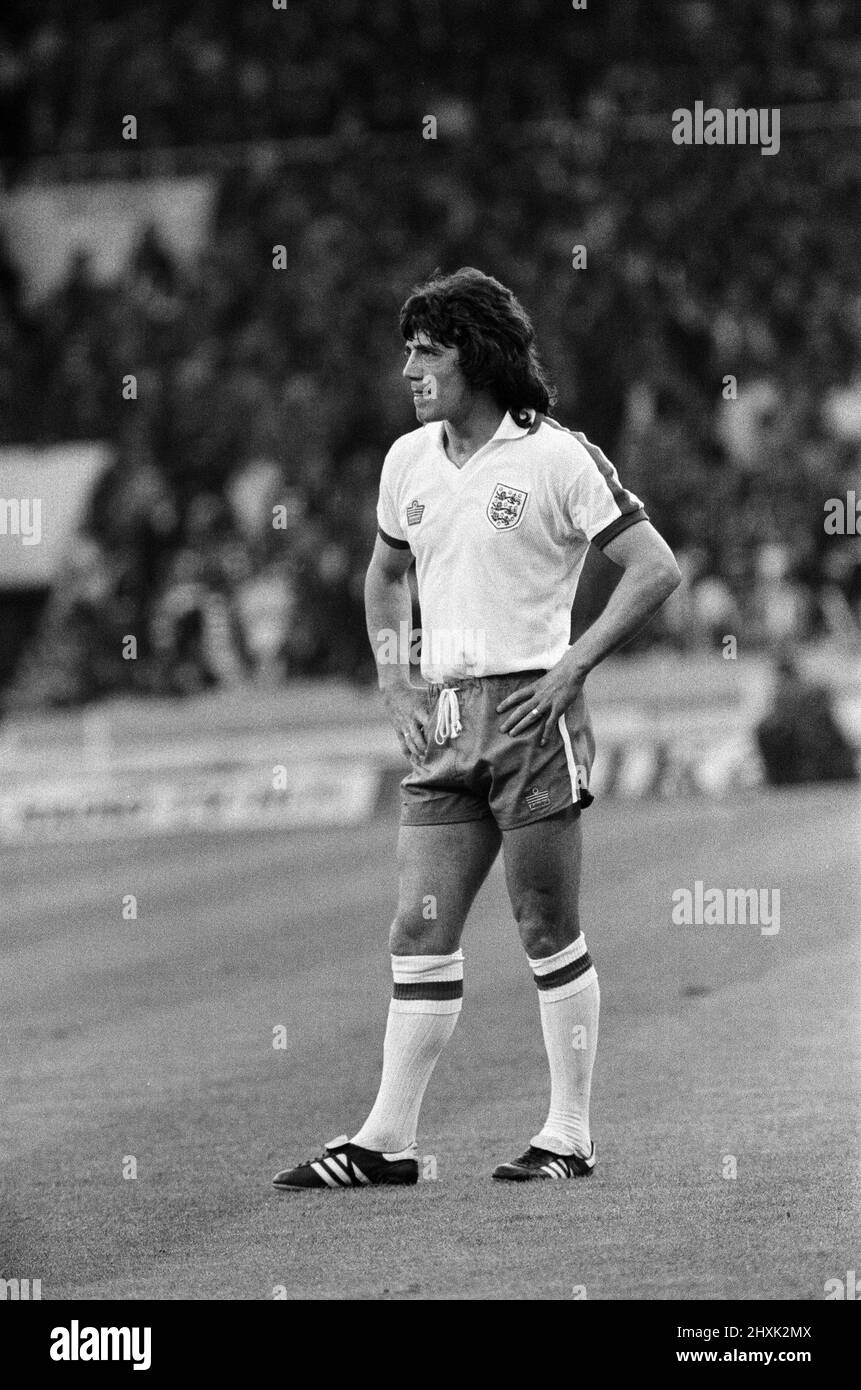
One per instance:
[(711, 345), (213, 71)]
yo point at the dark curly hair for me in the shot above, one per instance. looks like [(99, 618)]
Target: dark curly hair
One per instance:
[(492, 332)]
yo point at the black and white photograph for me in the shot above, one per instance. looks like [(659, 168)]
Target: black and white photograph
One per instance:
[(430, 661)]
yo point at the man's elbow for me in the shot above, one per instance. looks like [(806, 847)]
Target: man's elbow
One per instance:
[(673, 574), (666, 576)]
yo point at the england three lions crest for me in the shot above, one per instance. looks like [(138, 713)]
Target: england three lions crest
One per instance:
[(505, 508)]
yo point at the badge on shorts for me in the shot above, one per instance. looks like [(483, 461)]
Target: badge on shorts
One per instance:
[(537, 800), (505, 508)]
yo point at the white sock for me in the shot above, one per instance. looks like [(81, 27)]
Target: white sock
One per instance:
[(570, 1001), (427, 994)]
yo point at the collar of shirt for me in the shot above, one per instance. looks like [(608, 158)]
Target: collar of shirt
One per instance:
[(507, 429)]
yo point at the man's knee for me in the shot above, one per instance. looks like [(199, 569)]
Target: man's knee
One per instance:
[(414, 935), (546, 928)]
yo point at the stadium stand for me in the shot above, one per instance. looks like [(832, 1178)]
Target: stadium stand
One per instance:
[(259, 387)]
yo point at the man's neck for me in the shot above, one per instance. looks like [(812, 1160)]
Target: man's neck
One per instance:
[(463, 438)]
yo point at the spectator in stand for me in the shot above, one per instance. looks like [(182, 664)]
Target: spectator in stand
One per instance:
[(800, 739), (236, 362)]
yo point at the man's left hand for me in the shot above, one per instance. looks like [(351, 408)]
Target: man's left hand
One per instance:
[(543, 702)]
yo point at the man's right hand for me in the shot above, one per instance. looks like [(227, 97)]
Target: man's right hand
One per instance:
[(407, 709)]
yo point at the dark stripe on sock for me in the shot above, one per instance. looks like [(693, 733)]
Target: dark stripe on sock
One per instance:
[(430, 989), (565, 973)]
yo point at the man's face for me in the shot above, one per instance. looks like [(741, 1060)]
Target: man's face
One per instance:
[(440, 390)]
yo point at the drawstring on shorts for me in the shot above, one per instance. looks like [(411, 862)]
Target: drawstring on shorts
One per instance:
[(448, 724)]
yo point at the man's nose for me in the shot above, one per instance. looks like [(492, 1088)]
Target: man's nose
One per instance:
[(412, 370)]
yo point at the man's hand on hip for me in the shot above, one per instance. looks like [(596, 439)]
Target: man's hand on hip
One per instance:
[(541, 703), (405, 705)]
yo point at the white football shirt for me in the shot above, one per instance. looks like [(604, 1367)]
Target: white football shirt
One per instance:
[(500, 542)]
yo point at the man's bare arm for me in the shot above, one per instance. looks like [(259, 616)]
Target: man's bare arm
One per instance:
[(649, 576), (387, 605), (598, 578)]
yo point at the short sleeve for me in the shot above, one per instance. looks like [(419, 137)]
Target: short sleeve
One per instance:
[(388, 521), (596, 505)]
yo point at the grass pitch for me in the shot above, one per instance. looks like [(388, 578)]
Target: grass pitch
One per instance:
[(152, 1040)]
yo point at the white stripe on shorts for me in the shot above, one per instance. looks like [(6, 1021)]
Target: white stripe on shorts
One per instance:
[(570, 759)]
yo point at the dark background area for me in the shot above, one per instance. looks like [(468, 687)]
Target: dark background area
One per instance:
[(554, 130)]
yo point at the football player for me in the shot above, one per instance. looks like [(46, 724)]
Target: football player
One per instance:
[(497, 505)]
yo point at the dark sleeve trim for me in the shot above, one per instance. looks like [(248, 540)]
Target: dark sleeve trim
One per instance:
[(616, 527), (390, 540)]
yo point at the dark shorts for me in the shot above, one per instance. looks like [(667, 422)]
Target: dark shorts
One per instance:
[(485, 773)]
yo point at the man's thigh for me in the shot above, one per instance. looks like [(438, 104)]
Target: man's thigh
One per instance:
[(440, 868), (542, 874)]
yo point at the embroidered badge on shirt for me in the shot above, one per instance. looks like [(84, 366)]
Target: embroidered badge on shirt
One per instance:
[(505, 508)]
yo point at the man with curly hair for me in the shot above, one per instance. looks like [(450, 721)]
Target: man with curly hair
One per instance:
[(497, 505)]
